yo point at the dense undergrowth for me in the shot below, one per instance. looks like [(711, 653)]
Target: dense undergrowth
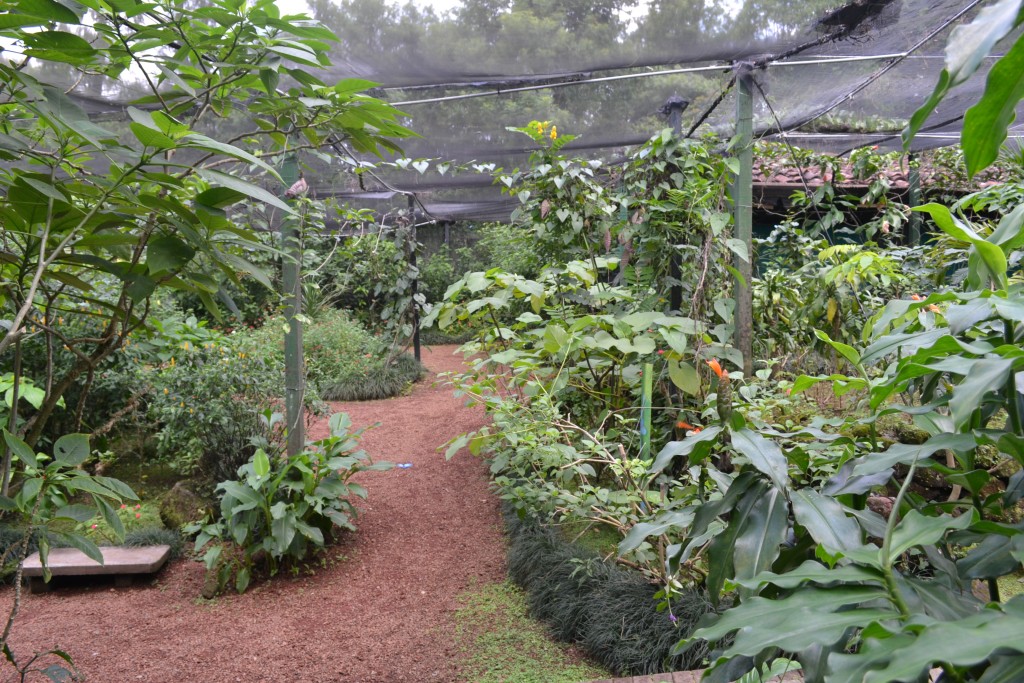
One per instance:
[(852, 531)]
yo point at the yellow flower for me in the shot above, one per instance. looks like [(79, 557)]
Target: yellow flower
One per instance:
[(185, 346), (182, 404), (166, 391), (172, 361), (554, 132)]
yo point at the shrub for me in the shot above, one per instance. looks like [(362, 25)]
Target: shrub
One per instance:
[(280, 509), (344, 362), (206, 396)]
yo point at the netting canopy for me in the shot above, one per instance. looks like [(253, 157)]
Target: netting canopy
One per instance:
[(614, 72)]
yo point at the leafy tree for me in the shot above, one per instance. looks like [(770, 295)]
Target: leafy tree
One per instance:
[(96, 217)]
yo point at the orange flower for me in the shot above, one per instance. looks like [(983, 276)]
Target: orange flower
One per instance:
[(915, 297), (684, 425), (716, 367), (934, 309)]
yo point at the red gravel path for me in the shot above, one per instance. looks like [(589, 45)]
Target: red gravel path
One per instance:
[(381, 614)]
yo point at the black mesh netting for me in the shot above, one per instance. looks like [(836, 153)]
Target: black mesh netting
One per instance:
[(829, 77)]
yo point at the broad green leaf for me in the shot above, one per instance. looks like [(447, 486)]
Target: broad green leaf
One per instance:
[(254, 191), (121, 490), (845, 350), (58, 46), (763, 454), (684, 376), (678, 519), (813, 572), (261, 463), (905, 454), (991, 559), (242, 579), (110, 516), (967, 47), (758, 543), (283, 532), (248, 498), (980, 377), (965, 642), (77, 512), (198, 141), (722, 550), (48, 10), (825, 521), (762, 622), (80, 543), (695, 447), (1003, 669), (21, 449), (167, 254), (71, 450), (916, 529), (149, 137), (985, 124), (738, 247)]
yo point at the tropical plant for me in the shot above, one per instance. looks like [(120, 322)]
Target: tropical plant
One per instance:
[(47, 506), (283, 508)]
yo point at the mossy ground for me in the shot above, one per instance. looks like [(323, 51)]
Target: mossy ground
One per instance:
[(1011, 585), (501, 644)]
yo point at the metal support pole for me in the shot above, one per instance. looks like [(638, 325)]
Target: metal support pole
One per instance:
[(674, 108), (743, 197), (294, 375), (415, 281), (914, 199)]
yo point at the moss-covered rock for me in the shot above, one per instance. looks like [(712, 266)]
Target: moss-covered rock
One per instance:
[(182, 505)]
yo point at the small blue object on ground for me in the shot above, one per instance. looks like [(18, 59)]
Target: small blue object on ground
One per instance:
[(404, 465)]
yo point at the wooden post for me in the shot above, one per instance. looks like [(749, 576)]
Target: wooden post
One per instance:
[(743, 197)]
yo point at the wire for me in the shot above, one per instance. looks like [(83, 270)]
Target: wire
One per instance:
[(885, 69)]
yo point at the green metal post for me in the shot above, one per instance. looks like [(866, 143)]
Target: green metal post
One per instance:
[(743, 197), (291, 281), (914, 199), (645, 411)]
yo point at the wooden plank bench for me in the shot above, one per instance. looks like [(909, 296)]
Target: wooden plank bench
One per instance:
[(120, 562)]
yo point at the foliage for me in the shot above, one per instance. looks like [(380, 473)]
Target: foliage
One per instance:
[(280, 509), (50, 491), (986, 122), (205, 399), (344, 362), (107, 235), (880, 613)]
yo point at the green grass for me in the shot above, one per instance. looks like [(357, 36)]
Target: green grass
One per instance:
[(600, 538), (501, 644)]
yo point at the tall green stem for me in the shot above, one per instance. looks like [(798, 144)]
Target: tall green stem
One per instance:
[(887, 560), (1012, 400)]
